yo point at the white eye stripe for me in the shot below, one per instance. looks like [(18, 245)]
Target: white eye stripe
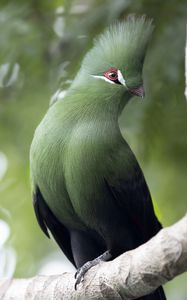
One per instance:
[(103, 78), (121, 78)]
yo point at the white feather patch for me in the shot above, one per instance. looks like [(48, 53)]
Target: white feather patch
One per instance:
[(121, 78), (103, 78)]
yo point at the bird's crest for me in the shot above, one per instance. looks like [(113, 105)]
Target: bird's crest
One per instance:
[(123, 42)]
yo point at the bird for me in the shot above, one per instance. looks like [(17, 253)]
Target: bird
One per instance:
[(88, 188)]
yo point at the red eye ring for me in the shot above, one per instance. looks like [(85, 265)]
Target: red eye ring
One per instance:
[(111, 74)]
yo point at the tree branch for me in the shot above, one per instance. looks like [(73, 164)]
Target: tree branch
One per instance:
[(131, 275)]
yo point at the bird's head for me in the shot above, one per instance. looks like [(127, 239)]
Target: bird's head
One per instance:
[(116, 60)]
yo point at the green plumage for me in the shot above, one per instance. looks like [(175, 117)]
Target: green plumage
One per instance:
[(72, 148), (123, 46), (85, 171), (79, 142)]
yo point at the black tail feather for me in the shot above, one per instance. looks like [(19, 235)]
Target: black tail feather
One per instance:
[(48, 221)]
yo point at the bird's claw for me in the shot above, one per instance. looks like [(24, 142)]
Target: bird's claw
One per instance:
[(79, 276), (76, 273)]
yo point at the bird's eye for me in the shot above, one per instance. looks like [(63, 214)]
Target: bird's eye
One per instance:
[(111, 74)]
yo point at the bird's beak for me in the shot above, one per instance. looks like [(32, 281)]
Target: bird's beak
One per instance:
[(137, 91)]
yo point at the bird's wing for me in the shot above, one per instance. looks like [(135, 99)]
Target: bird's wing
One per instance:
[(47, 220), (132, 196)]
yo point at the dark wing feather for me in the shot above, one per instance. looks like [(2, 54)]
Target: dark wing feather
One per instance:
[(47, 220), (134, 201), (133, 198)]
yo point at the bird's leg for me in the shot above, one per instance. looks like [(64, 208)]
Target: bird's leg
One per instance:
[(79, 275)]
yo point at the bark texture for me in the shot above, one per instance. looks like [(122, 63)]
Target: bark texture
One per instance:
[(129, 276)]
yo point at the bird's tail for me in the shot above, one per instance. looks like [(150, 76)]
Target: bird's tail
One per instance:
[(156, 295)]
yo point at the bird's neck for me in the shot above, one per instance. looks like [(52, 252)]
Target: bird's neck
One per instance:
[(99, 101), (94, 118)]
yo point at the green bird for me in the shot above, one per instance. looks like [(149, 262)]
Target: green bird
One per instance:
[(88, 188)]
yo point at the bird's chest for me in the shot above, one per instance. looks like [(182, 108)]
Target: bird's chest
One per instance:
[(86, 154), (72, 170), (89, 158)]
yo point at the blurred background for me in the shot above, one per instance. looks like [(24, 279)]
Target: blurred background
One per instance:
[(42, 43)]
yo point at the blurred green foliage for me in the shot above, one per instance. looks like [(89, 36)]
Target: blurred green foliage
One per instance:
[(42, 44)]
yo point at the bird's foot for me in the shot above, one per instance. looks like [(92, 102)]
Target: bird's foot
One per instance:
[(79, 275)]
